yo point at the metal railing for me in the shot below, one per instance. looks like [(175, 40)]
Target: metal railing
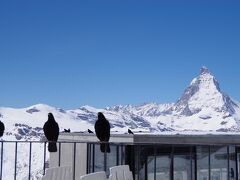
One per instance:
[(10, 154), (135, 154), (15, 152)]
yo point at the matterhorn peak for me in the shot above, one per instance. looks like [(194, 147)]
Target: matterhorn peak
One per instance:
[(204, 70), (203, 94)]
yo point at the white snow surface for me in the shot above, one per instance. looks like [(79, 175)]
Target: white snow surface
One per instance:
[(203, 108)]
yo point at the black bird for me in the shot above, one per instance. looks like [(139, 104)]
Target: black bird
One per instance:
[(67, 130), (102, 129), (51, 131), (129, 131), (89, 131), (2, 128)]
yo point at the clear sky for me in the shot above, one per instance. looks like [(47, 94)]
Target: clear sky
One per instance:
[(102, 53)]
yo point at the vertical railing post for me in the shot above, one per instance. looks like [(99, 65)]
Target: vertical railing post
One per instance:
[(138, 162), (228, 164), (105, 158), (44, 158), (172, 164), (15, 165), (59, 154), (195, 162), (93, 159), (1, 160), (117, 152), (236, 161), (88, 164), (30, 161), (89, 158), (74, 160), (191, 161), (209, 162), (155, 163), (122, 160)]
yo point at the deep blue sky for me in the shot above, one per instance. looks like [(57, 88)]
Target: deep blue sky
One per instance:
[(101, 53)]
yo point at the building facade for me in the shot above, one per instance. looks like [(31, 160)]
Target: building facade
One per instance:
[(154, 157)]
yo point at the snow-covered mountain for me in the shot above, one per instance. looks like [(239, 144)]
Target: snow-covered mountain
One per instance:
[(202, 107)]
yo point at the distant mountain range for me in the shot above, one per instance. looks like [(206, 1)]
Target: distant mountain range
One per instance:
[(203, 108)]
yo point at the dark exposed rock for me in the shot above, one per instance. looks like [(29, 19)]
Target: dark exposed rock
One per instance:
[(205, 117), (61, 110), (32, 110), (21, 132), (18, 137), (91, 117), (26, 132), (229, 115), (163, 127), (38, 129), (223, 122)]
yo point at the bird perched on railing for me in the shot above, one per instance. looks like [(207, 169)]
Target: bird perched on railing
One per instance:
[(67, 130), (90, 131), (102, 130), (2, 128), (129, 131), (51, 131)]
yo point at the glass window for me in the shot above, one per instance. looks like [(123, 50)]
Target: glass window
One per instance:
[(202, 153), (219, 163), (158, 163), (232, 163), (146, 162), (163, 167), (163, 162), (111, 158), (121, 155), (99, 159), (182, 163), (238, 159), (90, 158), (151, 167)]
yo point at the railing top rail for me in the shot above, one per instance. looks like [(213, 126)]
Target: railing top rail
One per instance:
[(128, 143)]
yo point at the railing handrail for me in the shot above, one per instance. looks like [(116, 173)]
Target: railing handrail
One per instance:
[(127, 143)]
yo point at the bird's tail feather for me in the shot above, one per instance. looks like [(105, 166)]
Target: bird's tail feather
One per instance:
[(52, 147), (105, 148)]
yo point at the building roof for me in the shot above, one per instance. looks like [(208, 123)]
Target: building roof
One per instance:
[(203, 139)]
